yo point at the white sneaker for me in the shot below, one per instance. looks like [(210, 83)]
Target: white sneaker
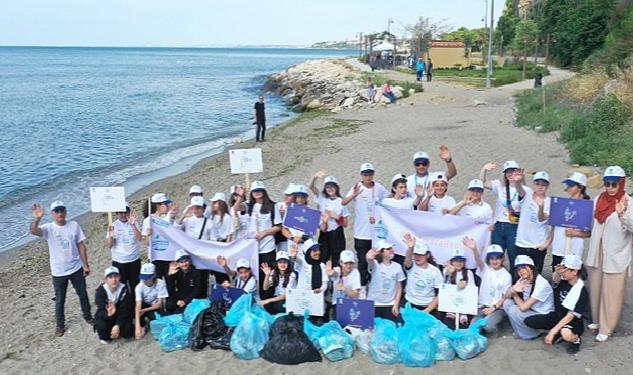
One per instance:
[(593, 326), (601, 337), (104, 342)]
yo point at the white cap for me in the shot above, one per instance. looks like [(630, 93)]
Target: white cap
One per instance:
[(398, 176), (421, 248), (181, 254), (347, 256), (572, 261), (242, 263), (282, 255), (218, 197), (523, 260), (576, 178), (382, 244), (309, 244), (367, 167), (197, 201), (290, 189), (458, 253), (420, 155), (542, 175), (57, 204), (160, 198), (148, 269), (330, 180), (475, 184), (110, 270), (614, 171), (494, 249), (300, 189), (195, 189), (438, 176), (258, 185), (510, 164)]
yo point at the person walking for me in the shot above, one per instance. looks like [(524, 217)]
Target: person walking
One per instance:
[(419, 69), (429, 70), (260, 119), (68, 259)]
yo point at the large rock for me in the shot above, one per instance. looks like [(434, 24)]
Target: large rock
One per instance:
[(397, 91), (348, 102), (314, 104)]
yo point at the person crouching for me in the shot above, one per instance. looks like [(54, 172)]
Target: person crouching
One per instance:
[(113, 318)]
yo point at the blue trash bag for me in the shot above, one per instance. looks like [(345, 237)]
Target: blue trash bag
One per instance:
[(468, 343), (238, 310), (434, 328), (249, 337), (415, 347), (334, 342), (194, 308), (383, 346), (157, 325), (262, 313), (174, 337), (311, 330)]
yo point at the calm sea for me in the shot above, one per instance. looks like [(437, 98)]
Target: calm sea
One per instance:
[(72, 118)]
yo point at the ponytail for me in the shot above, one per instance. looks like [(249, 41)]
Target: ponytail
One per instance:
[(583, 191)]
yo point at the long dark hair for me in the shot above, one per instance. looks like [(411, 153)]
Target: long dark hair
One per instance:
[(153, 208), (337, 193), (534, 276), (277, 272), (583, 191), (223, 208), (267, 203), (464, 272)]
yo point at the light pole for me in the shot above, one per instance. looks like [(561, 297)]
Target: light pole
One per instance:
[(490, 62), (389, 22)]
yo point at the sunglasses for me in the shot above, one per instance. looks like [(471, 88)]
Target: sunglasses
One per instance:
[(424, 163), (59, 210), (611, 184)]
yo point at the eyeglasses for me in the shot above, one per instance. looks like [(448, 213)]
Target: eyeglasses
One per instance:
[(419, 163), (611, 184)]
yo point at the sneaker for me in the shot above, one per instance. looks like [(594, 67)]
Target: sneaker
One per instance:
[(104, 342), (593, 326), (573, 348), (59, 331), (601, 337)]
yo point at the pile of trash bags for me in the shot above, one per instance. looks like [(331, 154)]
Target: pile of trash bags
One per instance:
[(288, 344), (172, 331)]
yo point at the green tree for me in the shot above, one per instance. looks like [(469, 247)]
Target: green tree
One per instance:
[(525, 39)]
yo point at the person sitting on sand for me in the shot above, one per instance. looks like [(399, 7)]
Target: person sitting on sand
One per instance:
[(424, 279), (150, 295), (436, 199), (345, 278), (422, 176), (183, 283), (113, 318), (242, 276), (124, 239), (388, 93), (279, 278), (456, 273)]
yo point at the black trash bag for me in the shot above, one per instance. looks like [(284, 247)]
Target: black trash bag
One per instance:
[(208, 326), (222, 343), (288, 344)]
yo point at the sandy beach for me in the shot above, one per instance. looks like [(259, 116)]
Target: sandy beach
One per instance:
[(386, 136)]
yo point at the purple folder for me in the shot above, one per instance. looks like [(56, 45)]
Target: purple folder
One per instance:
[(226, 295), (303, 218), (571, 213), (355, 312)]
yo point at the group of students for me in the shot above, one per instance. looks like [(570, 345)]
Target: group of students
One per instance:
[(291, 259)]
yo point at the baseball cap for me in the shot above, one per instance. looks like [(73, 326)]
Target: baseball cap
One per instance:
[(180, 254), (160, 198), (397, 177), (576, 178), (510, 164), (572, 261), (218, 197), (243, 263), (300, 189), (476, 184), (347, 256), (494, 250), (458, 254), (195, 189), (523, 260), (197, 201), (309, 244), (613, 173), (542, 175), (110, 271), (330, 180), (382, 244), (57, 205), (438, 176), (419, 156), (282, 255), (367, 167), (258, 186), (421, 248), (147, 271), (290, 189)]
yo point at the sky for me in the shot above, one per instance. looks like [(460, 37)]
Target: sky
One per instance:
[(190, 23)]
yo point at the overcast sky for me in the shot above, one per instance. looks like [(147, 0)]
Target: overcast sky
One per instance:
[(219, 22)]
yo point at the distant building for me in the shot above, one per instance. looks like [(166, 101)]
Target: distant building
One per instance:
[(448, 54)]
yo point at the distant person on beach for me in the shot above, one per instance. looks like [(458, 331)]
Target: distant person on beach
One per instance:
[(388, 93), (429, 71), (422, 176), (419, 69), (160, 209), (124, 239), (260, 119), (371, 91), (113, 319), (68, 259)]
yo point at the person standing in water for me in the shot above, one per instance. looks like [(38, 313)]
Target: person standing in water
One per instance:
[(260, 119)]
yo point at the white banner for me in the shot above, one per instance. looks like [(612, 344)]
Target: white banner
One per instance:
[(167, 239), (443, 233)]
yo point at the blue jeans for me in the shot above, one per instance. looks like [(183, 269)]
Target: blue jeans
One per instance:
[(419, 74), (390, 96), (60, 283), (505, 235)]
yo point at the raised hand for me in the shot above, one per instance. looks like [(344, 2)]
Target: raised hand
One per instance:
[(293, 250), (445, 154), (409, 240), (221, 261), (173, 268), (468, 198), (470, 243), (419, 190), (356, 190), (430, 190), (265, 268), (239, 190), (490, 166), (621, 205), (38, 213), (372, 253), (540, 201), (132, 219), (174, 209), (320, 174)]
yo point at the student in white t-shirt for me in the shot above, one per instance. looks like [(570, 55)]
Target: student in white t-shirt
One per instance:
[(193, 222), (278, 278), (533, 238), (150, 295), (365, 195), (282, 208), (422, 163), (472, 205), (437, 200), (124, 239), (385, 287), (345, 278), (221, 221), (333, 217), (242, 276), (399, 198), (161, 208), (295, 236), (456, 273), (424, 279), (495, 282), (530, 295)]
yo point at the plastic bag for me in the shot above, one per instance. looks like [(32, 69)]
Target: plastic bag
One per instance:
[(312, 331), (157, 325), (383, 346), (238, 310), (334, 342), (415, 347), (208, 325), (249, 337), (468, 343), (262, 313), (222, 343), (174, 337), (361, 337), (288, 344), (434, 328), (194, 308)]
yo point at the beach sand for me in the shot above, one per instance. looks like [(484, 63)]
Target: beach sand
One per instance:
[(339, 143)]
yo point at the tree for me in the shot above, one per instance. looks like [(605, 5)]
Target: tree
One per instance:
[(423, 32), (525, 39), (506, 26)]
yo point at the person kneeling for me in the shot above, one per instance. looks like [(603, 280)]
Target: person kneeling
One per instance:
[(183, 283), (571, 302), (113, 318), (150, 296)]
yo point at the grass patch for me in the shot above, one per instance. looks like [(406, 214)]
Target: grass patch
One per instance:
[(339, 128), (502, 75)]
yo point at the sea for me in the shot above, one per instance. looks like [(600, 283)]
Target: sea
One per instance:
[(72, 118)]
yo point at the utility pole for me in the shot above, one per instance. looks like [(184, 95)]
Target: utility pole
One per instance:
[(490, 62)]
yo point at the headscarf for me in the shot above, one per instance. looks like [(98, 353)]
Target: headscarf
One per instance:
[(605, 205), (317, 278)]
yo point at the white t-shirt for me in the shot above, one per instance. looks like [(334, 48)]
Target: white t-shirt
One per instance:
[(304, 278), (415, 180), (351, 282), (279, 289), (151, 294), (558, 243), (481, 211), (544, 295), (501, 209), (531, 232), (155, 236), (126, 247), (403, 204), (62, 247), (335, 205), (364, 207), (249, 286), (384, 279), (221, 230), (421, 284), (192, 225), (439, 204), (260, 222), (243, 222), (494, 283)]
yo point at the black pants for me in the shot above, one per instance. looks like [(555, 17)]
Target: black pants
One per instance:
[(149, 316), (104, 325), (549, 321), (60, 284), (429, 77), (449, 320), (269, 258), (332, 243), (162, 268), (385, 313), (261, 129), (537, 256), (275, 307), (362, 247), (129, 272)]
